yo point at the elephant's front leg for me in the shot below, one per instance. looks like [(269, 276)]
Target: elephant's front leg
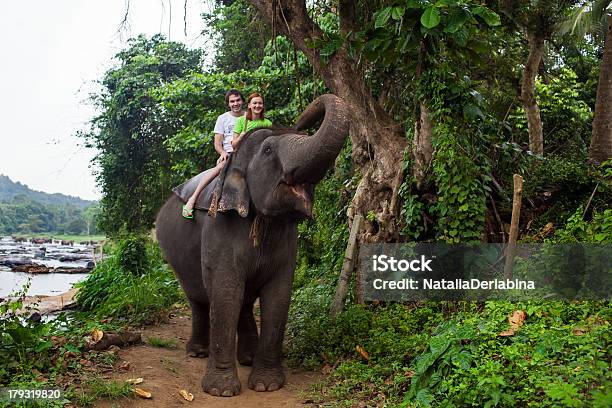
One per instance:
[(225, 294), (267, 374)]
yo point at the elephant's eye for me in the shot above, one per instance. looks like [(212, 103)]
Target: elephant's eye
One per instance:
[(267, 150)]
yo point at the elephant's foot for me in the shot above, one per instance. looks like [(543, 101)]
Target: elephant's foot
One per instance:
[(221, 382), (266, 379), (246, 349), (197, 349)]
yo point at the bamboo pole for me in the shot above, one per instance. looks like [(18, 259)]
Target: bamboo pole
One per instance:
[(347, 267), (514, 224)]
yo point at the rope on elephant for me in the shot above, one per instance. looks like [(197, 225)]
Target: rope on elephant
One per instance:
[(258, 229)]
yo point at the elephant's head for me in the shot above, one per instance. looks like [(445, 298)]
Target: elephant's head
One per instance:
[(275, 170)]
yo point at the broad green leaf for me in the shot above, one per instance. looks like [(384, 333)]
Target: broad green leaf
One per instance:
[(424, 362), (430, 18), (45, 345), (457, 19), (490, 17), (438, 345), (382, 17), (424, 397), (461, 36), (463, 359), (397, 13)]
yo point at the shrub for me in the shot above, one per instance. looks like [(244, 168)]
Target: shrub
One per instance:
[(132, 254), (113, 289)]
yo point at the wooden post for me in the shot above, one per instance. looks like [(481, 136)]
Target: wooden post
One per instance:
[(347, 267), (514, 224)]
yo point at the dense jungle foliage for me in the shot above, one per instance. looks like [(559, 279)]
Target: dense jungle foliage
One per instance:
[(461, 63)]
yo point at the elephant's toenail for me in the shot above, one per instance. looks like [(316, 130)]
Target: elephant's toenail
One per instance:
[(214, 391), (227, 393), (260, 387), (273, 387)]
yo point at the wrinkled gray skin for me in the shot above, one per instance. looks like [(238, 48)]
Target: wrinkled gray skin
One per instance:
[(221, 267)]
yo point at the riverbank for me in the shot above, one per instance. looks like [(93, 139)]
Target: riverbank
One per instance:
[(45, 305)]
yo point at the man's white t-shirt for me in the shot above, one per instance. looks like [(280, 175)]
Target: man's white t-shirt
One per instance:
[(225, 126)]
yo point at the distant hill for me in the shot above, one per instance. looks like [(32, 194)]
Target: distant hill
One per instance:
[(9, 189)]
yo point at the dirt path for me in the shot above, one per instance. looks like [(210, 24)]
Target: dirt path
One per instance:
[(166, 371)]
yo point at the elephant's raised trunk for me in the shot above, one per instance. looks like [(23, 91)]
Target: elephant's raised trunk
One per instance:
[(310, 156)]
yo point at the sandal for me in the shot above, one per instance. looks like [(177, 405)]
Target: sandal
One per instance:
[(187, 213)]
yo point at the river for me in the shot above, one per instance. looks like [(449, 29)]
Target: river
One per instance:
[(52, 255)]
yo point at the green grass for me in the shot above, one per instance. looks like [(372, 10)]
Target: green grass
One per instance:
[(65, 237), (97, 388), (163, 343)]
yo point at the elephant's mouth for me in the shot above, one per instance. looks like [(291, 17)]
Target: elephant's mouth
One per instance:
[(299, 197)]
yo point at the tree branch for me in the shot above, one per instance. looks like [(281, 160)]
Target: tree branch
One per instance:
[(348, 16)]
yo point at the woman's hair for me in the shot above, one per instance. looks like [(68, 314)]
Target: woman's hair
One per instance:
[(249, 113)]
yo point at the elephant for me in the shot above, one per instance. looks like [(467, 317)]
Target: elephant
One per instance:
[(245, 247)]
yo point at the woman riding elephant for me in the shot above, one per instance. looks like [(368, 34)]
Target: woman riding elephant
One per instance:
[(253, 119)]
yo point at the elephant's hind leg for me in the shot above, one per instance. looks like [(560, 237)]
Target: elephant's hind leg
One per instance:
[(197, 346), (247, 335)]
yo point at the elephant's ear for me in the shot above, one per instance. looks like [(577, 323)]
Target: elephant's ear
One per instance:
[(231, 192)]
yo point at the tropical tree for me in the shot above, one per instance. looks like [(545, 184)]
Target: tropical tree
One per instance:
[(238, 33), (595, 18), (132, 160), (378, 141), (361, 50), (538, 20)]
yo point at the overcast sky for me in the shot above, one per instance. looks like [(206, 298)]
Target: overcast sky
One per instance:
[(51, 54)]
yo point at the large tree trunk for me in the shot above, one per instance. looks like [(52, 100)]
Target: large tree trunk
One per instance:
[(534, 122), (422, 147), (378, 141), (601, 140)]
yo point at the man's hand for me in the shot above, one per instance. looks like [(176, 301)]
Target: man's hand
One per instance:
[(221, 163), (222, 157)]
